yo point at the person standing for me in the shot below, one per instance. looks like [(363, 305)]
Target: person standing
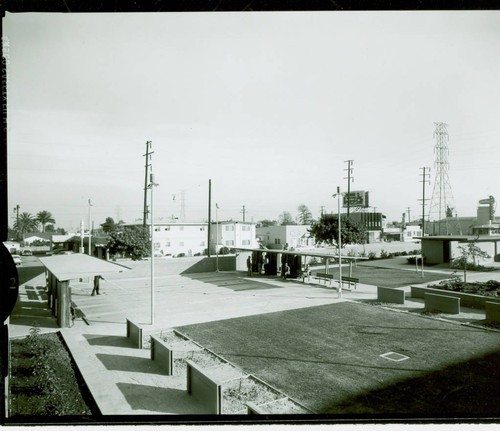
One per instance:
[(249, 266), (96, 285)]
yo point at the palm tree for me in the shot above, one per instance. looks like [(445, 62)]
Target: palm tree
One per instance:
[(26, 223), (44, 217)]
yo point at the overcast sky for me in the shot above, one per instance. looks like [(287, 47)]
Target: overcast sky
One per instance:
[(267, 105)]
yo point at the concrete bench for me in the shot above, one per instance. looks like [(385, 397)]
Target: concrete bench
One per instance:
[(134, 333), (204, 389), (442, 303), (388, 294), (161, 353), (492, 310)]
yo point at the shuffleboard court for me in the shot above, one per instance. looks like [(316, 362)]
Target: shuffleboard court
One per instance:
[(348, 358)]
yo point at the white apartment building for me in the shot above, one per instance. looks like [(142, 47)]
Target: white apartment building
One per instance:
[(276, 237), (233, 234), (172, 239)]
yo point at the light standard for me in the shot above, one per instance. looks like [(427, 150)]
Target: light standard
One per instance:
[(151, 186), (339, 241), (90, 230), (217, 237)]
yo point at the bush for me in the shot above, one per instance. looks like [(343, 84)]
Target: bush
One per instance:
[(412, 260), (384, 254), (181, 255), (372, 255)]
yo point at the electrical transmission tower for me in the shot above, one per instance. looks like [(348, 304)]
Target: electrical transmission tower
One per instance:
[(442, 211), (182, 215)]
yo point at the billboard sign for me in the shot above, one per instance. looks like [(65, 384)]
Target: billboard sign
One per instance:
[(357, 199)]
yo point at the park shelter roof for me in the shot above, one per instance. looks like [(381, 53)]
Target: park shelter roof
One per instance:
[(460, 238), (70, 266)]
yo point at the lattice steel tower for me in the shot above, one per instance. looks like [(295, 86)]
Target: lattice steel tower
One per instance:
[(442, 211)]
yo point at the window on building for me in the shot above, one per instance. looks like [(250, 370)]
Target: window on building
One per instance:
[(230, 242), (181, 243), (157, 245), (229, 227), (202, 228), (245, 227), (245, 242), (167, 228), (157, 229), (277, 241)]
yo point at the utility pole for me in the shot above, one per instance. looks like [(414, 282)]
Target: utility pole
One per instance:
[(16, 209), (322, 210), (152, 185), (209, 214), (243, 211), (349, 178), (146, 167), (217, 240), (425, 179), (90, 231), (82, 227), (339, 196), (409, 219)]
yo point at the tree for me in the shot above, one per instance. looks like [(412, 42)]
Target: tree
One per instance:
[(44, 217), (304, 216), (131, 241), (286, 219), (109, 225), (26, 223), (470, 253), (266, 223), (326, 230)]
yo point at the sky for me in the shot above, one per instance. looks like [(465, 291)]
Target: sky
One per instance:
[(268, 105)]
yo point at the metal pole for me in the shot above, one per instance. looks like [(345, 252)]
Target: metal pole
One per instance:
[(152, 254), (90, 230), (340, 245), (209, 214), (81, 236), (217, 238)]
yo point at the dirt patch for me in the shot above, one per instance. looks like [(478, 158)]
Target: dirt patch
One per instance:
[(237, 393)]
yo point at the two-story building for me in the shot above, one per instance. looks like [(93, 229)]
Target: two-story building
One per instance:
[(290, 236), (232, 234)]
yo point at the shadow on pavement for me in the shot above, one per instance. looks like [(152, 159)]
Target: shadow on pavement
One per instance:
[(29, 273), (108, 340), (235, 283), (129, 363), (152, 398)]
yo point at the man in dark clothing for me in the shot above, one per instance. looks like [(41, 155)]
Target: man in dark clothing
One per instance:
[(96, 285)]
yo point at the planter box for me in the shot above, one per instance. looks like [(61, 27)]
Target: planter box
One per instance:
[(161, 353), (134, 333), (283, 406), (492, 311), (442, 303), (466, 299), (387, 294), (204, 389)]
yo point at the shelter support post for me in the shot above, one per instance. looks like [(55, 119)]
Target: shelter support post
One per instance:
[(63, 304)]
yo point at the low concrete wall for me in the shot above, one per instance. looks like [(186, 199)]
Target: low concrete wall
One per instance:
[(442, 303), (492, 310), (208, 264), (466, 299), (206, 390), (387, 294), (161, 353), (134, 333)]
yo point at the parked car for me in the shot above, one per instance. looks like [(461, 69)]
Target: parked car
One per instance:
[(17, 259), (59, 252), (26, 252)]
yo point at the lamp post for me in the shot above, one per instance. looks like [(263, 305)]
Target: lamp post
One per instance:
[(151, 186), (217, 237), (90, 229), (339, 241)]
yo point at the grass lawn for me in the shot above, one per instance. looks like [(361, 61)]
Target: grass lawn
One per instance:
[(386, 277), (43, 381), (328, 359)]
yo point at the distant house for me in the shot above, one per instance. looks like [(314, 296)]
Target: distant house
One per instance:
[(232, 234), (30, 237)]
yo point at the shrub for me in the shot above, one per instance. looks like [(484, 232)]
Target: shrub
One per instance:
[(181, 255), (412, 260), (372, 255), (384, 254)]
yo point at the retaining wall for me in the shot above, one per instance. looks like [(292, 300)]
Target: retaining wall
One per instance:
[(204, 389), (134, 333), (492, 311), (161, 353), (387, 294), (466, 299), (442, 303)]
